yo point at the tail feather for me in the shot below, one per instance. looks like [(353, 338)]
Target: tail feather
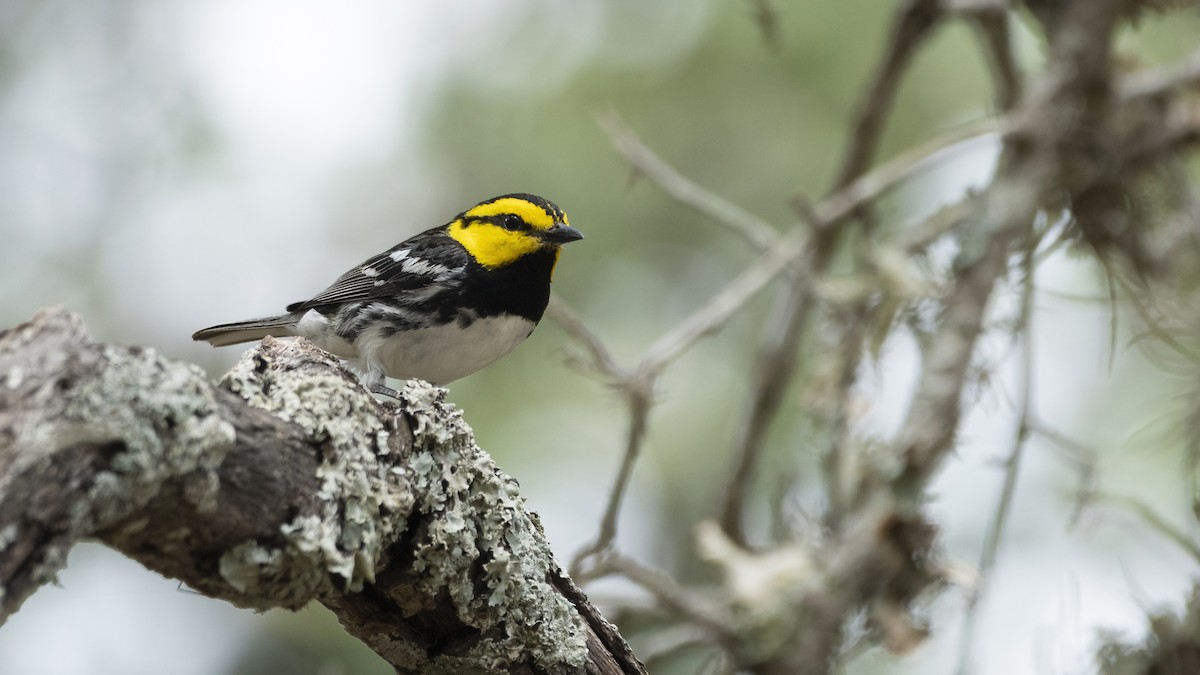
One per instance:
[(248, 331)]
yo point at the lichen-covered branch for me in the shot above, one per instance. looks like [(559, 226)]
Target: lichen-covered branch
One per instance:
[(285, 485)]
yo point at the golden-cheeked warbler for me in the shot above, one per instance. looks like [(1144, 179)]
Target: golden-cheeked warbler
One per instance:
[(437, 306)]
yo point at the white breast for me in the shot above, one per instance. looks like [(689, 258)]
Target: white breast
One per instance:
[(442, 354)]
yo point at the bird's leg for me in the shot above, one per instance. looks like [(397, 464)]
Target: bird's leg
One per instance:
[(385, 390), (376, 382)]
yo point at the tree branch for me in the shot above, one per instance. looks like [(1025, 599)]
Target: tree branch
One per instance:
[(912, 22), (289, 484)]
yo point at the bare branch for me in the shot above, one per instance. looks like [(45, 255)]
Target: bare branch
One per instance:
[(638, 392), (759, 233), (1148, 515), (572, 323), (669, 594), (1151, 82), (992, 24), (724, 304), (833, 457), (865, 189), (1012, 465), (913, 21), (774, 367)]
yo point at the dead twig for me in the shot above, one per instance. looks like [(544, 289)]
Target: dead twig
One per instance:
[(1151, 82), (913, 21), (1012, 465), (756, 231), (1149, 516), (991, 22)]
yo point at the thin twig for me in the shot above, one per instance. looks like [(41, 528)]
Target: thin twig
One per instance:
[(671, 640), (758, 232), (720, 307), (570, 321), (1149, 82), (1012, 465), (1162, 333), (915, 237), (704, 321), (870, 186), (833, 457), (1078, 453), (934, 412), (1080, 457), (992, 25), (775, 363), (829, 211), (667, 592), (639, 397), (912, 23), (1149, 516)]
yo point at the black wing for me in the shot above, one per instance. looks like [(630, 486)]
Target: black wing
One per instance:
[(424, 260)]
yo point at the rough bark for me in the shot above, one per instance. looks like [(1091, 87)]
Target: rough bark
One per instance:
[(285, 484)]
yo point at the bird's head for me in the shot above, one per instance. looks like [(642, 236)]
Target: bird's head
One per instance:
[(500, 231)]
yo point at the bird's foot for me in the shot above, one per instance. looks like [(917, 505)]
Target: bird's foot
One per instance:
[(376, 383), (384, 390)]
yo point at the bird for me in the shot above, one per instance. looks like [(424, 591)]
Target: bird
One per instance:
[(439, 305)]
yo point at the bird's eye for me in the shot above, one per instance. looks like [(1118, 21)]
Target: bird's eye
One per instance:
[(512, 221)]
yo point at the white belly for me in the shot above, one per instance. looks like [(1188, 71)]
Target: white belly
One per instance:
[(443, 354)]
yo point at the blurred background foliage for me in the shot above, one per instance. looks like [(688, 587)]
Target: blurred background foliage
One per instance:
[(169, 165)]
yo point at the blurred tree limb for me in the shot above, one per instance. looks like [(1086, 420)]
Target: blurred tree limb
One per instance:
[(1079, 137), (289, 484)]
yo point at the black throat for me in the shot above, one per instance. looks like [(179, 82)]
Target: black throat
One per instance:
[(521, 287)]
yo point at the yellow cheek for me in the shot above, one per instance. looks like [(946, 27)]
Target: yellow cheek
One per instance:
[(492, 246)]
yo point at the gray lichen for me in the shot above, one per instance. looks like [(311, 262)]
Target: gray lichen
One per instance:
[(364, 497), (187, 438), (112, 409), (476, 523), (477, 514)]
